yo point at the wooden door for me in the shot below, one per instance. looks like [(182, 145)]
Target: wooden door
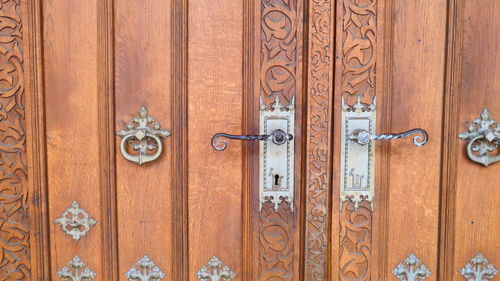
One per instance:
[(74, 74)]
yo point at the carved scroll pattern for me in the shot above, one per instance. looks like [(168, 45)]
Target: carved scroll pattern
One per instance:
[(276, 243), (359, 20), (355, 242), (14, 225), (278, 50), (319, 102), (358, 48)]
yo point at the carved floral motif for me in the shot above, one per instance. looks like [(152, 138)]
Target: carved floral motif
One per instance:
[(14, 224), (355, 241), (359, 22), (278, 50), (276, 243)]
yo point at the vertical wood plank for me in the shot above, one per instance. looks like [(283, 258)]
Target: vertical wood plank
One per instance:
[(72, 118), (143, 69), (476, 187), (215, 105), (35, 116), (413, 187), (278, 56), (105, 76), (180, 140)]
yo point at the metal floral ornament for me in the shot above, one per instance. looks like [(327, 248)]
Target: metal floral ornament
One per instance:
[(483, 138)]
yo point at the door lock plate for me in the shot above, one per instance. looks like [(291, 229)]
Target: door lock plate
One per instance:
[(277, 160), (357, 161)]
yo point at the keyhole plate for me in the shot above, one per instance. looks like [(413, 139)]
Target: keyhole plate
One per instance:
[(277, 161)]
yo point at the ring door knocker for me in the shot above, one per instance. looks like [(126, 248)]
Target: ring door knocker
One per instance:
[(483, 137), (143, 136)]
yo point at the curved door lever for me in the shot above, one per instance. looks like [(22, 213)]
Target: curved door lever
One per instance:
[(278, 137), (363, 137)]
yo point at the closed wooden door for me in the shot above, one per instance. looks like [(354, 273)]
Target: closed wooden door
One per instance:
[(110, 170)]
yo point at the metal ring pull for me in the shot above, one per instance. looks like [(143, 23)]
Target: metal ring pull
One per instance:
[(278, 137), (364, 137), (143, 135), (483, 138)]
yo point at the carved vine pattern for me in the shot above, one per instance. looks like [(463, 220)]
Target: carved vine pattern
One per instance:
[(358, 48), (14, 224), (359, 22), (355, 242), (278, 50), (317, 145), (276, 243), (278, 78)]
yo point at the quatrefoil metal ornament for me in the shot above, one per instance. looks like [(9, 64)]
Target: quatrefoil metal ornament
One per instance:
[(145, 270), (75, 221), (215, 270), (76, 270), (412, 269), (479, 269), (141, 140)]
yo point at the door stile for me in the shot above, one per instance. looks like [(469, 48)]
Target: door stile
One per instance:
[(179, 109), (106, 121), (278, 47), (35, 142), (450, 157)]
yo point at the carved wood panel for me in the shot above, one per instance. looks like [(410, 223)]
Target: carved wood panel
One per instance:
[(319, 125), (15, 261)]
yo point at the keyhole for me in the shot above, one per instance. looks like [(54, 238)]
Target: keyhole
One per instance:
[(276, 180)]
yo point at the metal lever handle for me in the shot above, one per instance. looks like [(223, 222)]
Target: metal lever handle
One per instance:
[(364, 137), (278, 137)]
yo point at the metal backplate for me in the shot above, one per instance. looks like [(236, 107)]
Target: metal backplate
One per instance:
[(277, 161), (357, 161)]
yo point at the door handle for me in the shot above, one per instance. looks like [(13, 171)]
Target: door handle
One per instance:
[(363, 137), (483, 137), (278, 137)]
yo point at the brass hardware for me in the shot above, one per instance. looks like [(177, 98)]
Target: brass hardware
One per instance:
[(480, 269), (412, 269), (483, 137), (75, 221), (76, 270), (215, 270), (143, 135), (145, 270)]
